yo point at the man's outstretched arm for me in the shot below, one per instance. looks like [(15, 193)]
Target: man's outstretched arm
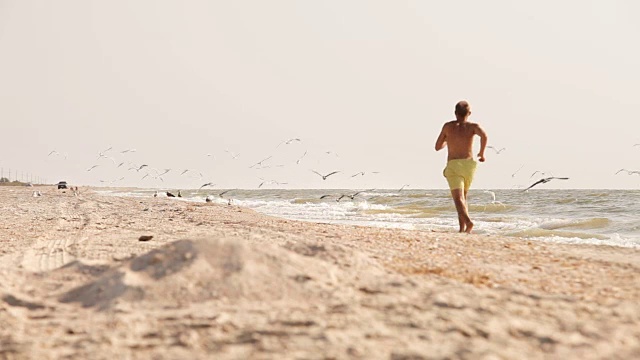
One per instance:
[(483, 142), (442, 140)]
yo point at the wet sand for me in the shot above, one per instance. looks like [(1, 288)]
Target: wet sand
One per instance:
[(225, 282)]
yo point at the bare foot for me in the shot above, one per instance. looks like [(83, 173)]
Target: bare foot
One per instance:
[(469, 227)]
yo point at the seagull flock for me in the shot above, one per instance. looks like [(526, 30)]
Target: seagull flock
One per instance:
[(147, 171), (266, 162)]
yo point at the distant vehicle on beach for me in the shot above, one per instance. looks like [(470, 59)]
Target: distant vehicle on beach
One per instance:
[(62, 185)]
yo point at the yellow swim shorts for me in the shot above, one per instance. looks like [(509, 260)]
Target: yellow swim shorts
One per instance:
[(459, 173)]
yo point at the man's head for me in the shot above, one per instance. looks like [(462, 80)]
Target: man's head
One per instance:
[(463, 110)]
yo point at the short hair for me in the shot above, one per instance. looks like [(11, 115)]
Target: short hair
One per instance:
[(463, 108)]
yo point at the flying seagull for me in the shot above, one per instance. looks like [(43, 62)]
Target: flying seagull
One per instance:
[(260, 162), (226, 191), (233, 156), (207, 184), (138, 168), (127, 151), (93, 167), (403, 186), (545, 180), (360, 173), (514, 174), (53, 152), (324, 177), (325, 196), (287, 142), (629, 172), (352, 196), (498, 151), (300, 159), (536, 172)]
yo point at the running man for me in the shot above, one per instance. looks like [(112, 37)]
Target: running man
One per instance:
[(458, 135)]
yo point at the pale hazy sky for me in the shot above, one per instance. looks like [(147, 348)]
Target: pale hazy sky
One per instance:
[(554, 82)]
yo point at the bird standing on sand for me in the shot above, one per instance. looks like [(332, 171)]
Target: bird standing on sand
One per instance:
[(170, 194), (545, 180), (324, 177)]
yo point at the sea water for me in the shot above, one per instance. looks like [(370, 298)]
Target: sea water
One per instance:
[(602, 217)]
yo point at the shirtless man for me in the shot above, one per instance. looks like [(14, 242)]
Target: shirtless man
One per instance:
[(458, 135)]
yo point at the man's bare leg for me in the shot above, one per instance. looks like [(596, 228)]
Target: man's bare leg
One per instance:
[(469, 225), (461, 207)]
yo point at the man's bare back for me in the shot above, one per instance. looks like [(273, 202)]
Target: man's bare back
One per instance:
[(458, 137)]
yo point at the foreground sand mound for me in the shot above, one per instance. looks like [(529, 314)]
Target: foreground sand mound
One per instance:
[(227, 269)]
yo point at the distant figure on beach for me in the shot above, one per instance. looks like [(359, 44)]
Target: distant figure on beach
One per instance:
[(458, 135)]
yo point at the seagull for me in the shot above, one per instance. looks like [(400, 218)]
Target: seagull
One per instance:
[(170, 194), (545, 180), (514, 174), (325, 196), (184, 172), (260, 162), (226, 191), (127, 151), (270, 182), (352, 196), (102, 153), (636, 144), (110, 158), (53, 152), (360, 173), (207, 184), (324, 177), (331, 152), (211, 155), (493, 195), (179, 194), (303, 155), (629, 172), (164, 172), (138, 168), (287, 142), (122, 163), (91, 168), (403, 186), (498, 151), (233, 156), (536, 172)]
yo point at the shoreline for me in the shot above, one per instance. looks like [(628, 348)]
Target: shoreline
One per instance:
[(325, 289)]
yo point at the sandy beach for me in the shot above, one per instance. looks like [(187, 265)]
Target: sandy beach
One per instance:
[(225, 282)]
